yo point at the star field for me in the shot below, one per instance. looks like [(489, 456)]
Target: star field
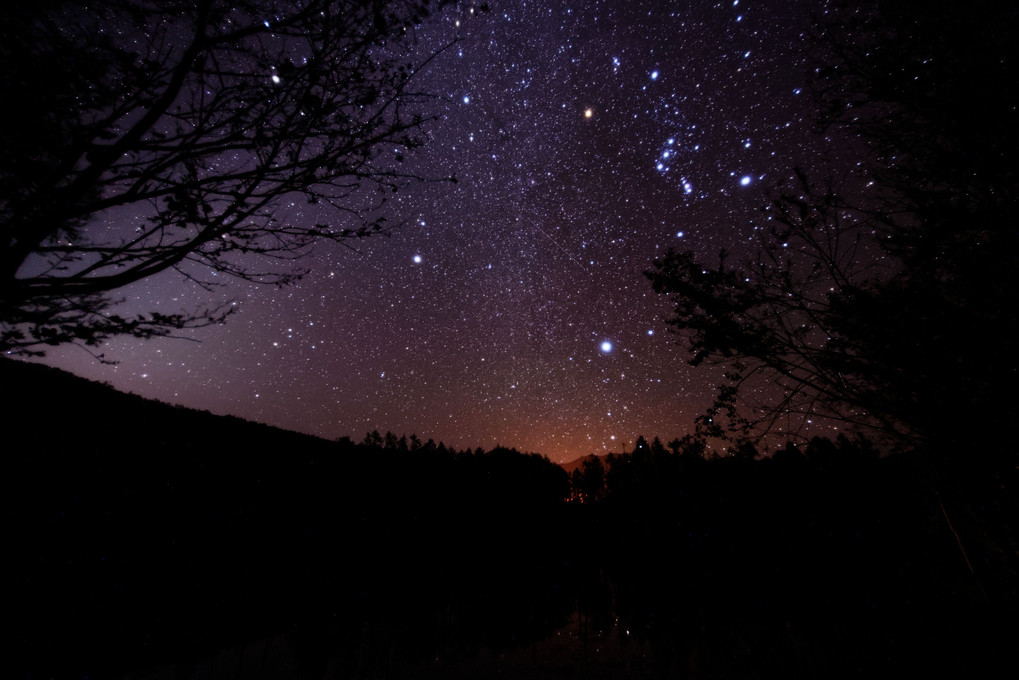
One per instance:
[(511, 307)]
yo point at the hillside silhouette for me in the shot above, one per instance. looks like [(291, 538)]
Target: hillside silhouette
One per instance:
[(147, 535), (147, 540)]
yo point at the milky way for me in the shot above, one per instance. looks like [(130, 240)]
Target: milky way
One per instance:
[(511, 307)]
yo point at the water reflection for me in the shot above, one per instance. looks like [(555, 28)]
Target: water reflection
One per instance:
[(648, 614)]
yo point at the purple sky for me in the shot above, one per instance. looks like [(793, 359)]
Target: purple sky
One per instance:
[(587, 138)]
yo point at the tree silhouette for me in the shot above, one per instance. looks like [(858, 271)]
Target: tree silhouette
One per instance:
[(372, 440), (162, 136), (587, 482), (641, 448), (882, 298)]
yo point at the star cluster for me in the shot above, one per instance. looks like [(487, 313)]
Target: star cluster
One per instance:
[(511, 307)]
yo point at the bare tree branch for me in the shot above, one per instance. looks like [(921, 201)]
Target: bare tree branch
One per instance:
[(199, 119)]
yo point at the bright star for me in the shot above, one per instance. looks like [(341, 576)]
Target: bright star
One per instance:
[(745, 181), (417, 259), (588, 113), (654, 75), (606, 346)]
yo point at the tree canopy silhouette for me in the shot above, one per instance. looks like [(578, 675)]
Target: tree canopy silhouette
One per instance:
[(161, 136), (883, 297)]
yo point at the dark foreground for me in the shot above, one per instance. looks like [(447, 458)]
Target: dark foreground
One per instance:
[(144, 541)]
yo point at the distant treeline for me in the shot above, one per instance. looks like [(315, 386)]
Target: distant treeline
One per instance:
[(653, 471), (144, 540), (141, 536)]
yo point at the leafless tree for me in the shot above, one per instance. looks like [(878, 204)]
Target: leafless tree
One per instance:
[(146, 136), (883, 293)]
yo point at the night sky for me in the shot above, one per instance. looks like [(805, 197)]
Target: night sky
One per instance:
[(511, 308)]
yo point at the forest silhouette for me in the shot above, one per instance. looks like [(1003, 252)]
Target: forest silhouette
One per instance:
[(174, 543)]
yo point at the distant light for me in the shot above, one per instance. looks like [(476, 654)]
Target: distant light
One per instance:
[(679, 234), (651, 331), (654, 75), (745, 180), (467, 99), (588, 113), (275, 78), (417, 259), (606, 346)]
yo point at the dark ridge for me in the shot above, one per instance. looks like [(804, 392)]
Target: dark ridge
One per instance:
[(577, 463), (143, 536), (149, 541), (52, 411)]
